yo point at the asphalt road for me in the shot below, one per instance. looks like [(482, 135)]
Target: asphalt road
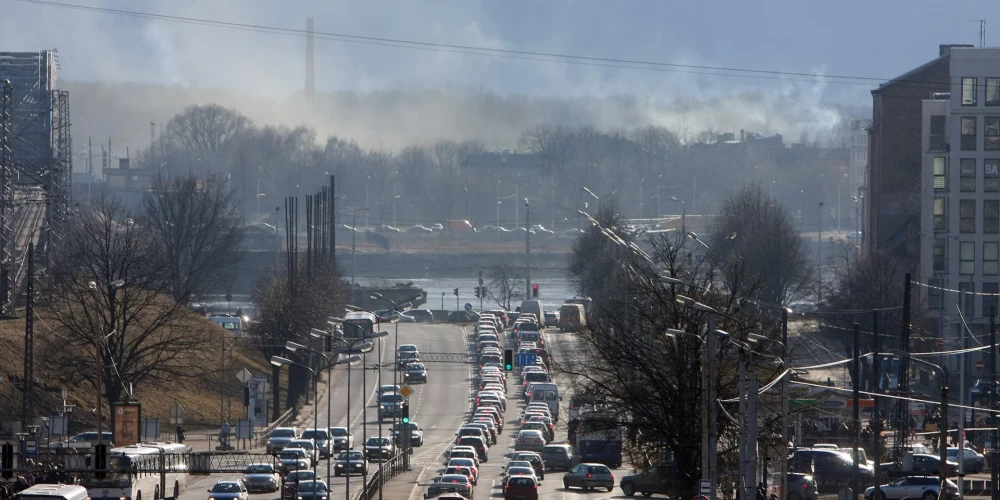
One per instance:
[(438, 407)]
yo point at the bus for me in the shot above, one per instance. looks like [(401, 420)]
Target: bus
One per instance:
[(136, 473), (53, 492), (599, 440), (888, 372), (363, 325)]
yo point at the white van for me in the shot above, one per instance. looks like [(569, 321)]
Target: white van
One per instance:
[(53, 492), (533, 307), (547, 393)]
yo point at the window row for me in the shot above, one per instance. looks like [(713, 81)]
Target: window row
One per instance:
[(970, 91), (969, 130), (967, 257), (967, 216), (968, 174), (990, 294)]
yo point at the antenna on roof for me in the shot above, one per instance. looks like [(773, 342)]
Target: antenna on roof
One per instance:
[(982, 32)]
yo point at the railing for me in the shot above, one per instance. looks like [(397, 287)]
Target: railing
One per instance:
[(260, 438), (386, 471)]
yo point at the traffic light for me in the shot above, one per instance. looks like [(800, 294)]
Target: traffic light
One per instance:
[(534, 291), (477, 292), (406, 412), (7, 460), (455, 291), (100, 461), (508, 360)]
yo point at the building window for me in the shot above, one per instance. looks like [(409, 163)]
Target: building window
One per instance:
[(969, 91), (968, 133), (991, 133), (991, 216), (991, 258), (966, 258), (934, 292), (940, 255), (992, 91), (967, 174), (991, 175), (940, 214), (939, 133), (967, 216), (941, 173), (968, 298), (990, 302)]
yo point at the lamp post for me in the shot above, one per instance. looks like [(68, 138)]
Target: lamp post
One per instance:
[(99, 350), (279, 361), (398, 307), (354, 239), (943, 379), (784, 397), (683, 214)]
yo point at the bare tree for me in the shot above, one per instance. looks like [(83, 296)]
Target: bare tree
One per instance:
[(197, 227), (206, 129), (753, 227), (506, 285), (107, 296)]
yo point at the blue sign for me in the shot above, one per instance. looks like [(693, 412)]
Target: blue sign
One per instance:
[(31, 449), (526, 359), (468, 306)]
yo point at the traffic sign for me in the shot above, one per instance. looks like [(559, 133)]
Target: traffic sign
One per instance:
[(526, 359), (980, 365), (406, 391), (468, 306), (705, 486), (244, 375), (176, 414), (30, 448)]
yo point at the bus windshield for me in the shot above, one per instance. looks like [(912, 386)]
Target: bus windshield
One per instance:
[(358, 324)]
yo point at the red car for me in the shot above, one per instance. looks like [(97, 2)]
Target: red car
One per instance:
[(520, 488)]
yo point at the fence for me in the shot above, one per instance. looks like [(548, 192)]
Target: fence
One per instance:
[(260, 437), (386, 471)]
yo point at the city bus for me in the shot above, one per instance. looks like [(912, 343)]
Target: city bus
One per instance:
[(598, 439), (135, 472), (363, 325)]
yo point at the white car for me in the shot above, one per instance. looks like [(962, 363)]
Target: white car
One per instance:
[(342, 440), (229, 490), (924, 488), (292, 459)]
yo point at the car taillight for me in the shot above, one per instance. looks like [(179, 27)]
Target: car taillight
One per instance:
[(805, 486), (589, 476), (520, 440)]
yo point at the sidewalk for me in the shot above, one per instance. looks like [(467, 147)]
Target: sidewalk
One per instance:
[(408, 485)]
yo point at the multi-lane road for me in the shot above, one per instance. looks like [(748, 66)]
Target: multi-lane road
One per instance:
[(440, 407)]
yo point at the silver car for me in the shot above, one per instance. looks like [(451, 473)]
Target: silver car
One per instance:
[(973, 462), (589, 476), (261, 477), (529, 440), (342, 440)]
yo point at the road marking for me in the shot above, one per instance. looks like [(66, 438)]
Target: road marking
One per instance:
[(416, 484)]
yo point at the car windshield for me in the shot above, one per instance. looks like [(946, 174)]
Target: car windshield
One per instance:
[(351, 455), (463, 462), (416, 367), (520, 471), (314, 434), (260, 469), (413, 426), (407, 348), (302, 444), (392, 398), (302, 475), (293, 454), (226, 488), (283, 433), (374, 441), (313, 486), (338, 432)]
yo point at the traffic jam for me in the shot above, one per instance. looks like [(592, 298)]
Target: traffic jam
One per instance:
[(513, 373)]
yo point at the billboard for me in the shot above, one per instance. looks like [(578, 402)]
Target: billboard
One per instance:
[(125, 419)]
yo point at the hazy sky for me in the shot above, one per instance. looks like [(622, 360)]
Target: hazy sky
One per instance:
[(877, 39)]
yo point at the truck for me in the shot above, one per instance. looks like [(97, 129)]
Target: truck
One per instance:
[(572, 318)]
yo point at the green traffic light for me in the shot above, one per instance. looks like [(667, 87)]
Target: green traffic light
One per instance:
[(406, 420), (509, 367)]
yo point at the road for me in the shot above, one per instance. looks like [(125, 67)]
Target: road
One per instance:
[(439, 406)]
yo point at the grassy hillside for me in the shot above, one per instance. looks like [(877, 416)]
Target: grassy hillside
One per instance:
[(199, 395)]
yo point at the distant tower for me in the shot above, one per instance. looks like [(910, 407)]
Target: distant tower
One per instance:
[(310, 70)]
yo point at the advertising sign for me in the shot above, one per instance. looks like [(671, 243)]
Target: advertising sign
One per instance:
[(257, 410), (125, 419)]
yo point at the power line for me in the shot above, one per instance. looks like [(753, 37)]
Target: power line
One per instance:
[(494, 52)]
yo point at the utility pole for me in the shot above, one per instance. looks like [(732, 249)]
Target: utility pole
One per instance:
[(752, 388), (742, 414), (994, 492), (784, 404), (481, 290), (713, 410), (877, 414), (856, 430), (28, 394), (819, 253), (527, 250)]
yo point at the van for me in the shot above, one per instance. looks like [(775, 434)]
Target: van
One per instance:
[(534, 307), (547, 393), (572, 318)]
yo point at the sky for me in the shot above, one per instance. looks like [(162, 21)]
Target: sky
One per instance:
[(870, 40)]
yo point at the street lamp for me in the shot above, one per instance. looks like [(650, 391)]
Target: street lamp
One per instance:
[(943, 380), (354, 239), (683, 214), (363, 345), (280, 361), (98, 351), (396, 308)]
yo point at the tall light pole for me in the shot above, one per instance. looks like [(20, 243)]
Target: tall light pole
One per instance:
[(819, 253), (398, 307), (364, 346), (527, 249), (100, 341), (683, 214), (354, 239), (784, 396), (279, 361), (943, 379)]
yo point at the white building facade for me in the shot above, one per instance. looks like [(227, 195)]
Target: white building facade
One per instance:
[(960, 191)]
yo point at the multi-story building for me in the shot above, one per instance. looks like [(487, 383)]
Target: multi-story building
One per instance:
[(892, 194), (960, 189)]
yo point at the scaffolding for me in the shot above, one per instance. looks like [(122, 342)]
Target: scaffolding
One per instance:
[(6, 197)]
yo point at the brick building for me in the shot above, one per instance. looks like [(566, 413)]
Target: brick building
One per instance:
[(892, 194)]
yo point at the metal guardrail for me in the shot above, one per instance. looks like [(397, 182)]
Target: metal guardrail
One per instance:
[(260, 437), (446, 357), (386, 471)]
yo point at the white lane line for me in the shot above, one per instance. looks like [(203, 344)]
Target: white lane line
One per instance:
[(416, 485)]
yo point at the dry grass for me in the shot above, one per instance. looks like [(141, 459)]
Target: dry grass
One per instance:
[(199, 394)]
